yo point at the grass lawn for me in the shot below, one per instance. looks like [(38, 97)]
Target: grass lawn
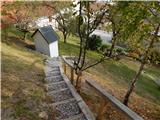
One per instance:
[(121, 72), (116, 77), (22, 89), (22, 78)]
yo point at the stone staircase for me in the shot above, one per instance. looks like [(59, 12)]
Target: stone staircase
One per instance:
[(66, 101)]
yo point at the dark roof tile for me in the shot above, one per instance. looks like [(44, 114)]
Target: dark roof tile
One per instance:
[(48, 33)]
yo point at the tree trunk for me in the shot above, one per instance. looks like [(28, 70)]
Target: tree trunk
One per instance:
[(113, 39), (133, 83), (5, 34), (64, 37), (78, 81), (126, 98), (25, 36), (112, 47)]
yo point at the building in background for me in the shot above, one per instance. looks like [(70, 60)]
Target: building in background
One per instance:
[(46, 41), (45, 21), (105, 36)]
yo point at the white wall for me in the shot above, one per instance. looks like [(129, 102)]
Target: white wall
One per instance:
[(44, 21), (53, 47), (105, 36), (41, 44)]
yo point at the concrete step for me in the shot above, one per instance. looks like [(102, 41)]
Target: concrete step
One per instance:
[(54, 79), (56, 86), (61, 95), (51, 64), (53, 69), (66, 103), (66, 110), (62, 102), (80, 116), (57, 91), (50, 74)]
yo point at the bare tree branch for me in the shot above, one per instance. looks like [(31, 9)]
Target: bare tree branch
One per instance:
[(80, 35), (101, 60)]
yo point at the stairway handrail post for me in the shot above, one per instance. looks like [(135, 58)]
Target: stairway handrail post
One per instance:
[(72, 75)]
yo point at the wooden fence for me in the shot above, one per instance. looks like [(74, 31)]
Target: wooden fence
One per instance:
[(106, 98)]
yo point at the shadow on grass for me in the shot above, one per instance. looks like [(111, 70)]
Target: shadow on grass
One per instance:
[(123, 75), (15, 40), (120, 72), (145, 86), (153, 70), (16, 32)]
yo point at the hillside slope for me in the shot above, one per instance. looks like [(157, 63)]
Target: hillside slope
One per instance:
[(22, 79), (116, 76)]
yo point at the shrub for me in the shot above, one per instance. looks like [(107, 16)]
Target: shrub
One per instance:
[(154, 57), (121, 51), (94, 42), (104, 47)]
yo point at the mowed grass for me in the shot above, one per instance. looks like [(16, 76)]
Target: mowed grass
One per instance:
[(22, 91), (122, 75), (116, 77), (118, 72), (22, 76)]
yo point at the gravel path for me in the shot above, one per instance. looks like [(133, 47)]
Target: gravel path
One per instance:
[(57, 86), (64, 103)]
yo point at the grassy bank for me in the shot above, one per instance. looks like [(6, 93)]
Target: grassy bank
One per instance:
[(116, 76), (23, 93), (120, 72), (22, 79)]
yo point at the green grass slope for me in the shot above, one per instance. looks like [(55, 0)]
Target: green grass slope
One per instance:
[(22, 79), (121, 72), (116, 76)]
